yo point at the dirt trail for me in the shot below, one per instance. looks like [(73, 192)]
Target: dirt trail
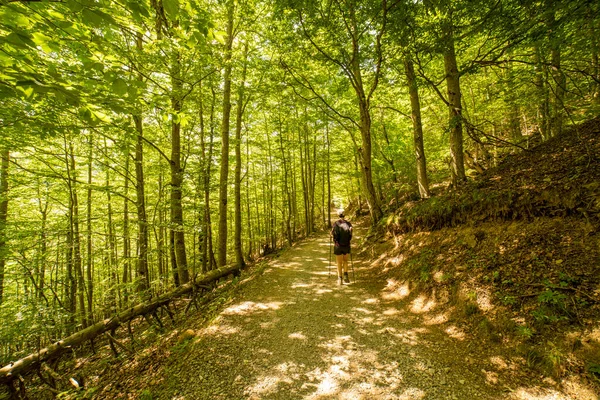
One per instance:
[(292, 333)]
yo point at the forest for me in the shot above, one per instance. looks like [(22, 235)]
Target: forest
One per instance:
[(148, 143)]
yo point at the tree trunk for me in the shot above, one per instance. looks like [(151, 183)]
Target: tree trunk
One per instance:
[(76, 237), (89, 260), (161, 234), (558, 78), (239, 257), (112, 250), (329, 225), (126, 237), (212, 262), (454, 106), (288, 199), (422, 181), (223, 178), (542, 88), (4, 155), (177, 229), (143, 282)]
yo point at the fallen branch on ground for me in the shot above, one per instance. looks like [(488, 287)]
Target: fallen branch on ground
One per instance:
[(27, 364)]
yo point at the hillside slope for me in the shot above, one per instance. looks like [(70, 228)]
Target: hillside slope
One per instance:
[(514, 256)]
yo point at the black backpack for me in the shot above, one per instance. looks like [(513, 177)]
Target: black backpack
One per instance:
[(344, 233)]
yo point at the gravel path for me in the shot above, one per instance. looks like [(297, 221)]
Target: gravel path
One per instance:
[(292, 333)]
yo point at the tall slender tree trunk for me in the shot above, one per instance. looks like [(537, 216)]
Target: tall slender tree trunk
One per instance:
[(250, 248), (177, 229), (161, 234), (457, 162), (77, 262), (212, 263), (224, 175), (422, 180), (203, 239), (42, 259), (143, 282), (89, 261), (329, 225), (542, 89), (112, 250), (239, 256), (365, 151), (4, 155), (286, 188), (126, 234)]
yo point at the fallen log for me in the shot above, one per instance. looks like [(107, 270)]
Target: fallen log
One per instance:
[(26, 364)]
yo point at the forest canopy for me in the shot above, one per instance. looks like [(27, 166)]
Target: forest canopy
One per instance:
[(147, 142)]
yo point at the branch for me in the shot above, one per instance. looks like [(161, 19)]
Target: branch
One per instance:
[(309, 86)]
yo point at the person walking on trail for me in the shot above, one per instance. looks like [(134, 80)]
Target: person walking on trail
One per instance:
[(342, 235)]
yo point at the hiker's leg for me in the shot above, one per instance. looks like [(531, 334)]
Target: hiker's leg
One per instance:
[(339, 259), (345, 263)]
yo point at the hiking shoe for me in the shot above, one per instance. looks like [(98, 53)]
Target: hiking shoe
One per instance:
[(339, 280), (346, 279)]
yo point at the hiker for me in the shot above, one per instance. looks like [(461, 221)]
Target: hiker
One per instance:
[(342, 235)]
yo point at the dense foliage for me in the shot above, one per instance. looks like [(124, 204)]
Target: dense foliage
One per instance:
[(117, 179)]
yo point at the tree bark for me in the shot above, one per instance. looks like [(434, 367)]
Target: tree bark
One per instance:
[(223, 178), (4, 155), (76, 237), (558, 77), (143, 282), (422, 180), (126, 235), (177, 229), (542, 88), (89, 261), (457, 163), (239, 256)]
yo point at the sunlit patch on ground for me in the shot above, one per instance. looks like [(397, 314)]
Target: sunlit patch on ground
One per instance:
[(363, 310), (390, 312), (455, 333), (297, 335), (220, 329), (491, 377), (395, 290), (499, 362), (250, 306), (436, 319), (484, 301), (422, 305), (535, 393)]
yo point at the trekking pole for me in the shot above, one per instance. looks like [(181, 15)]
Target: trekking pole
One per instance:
[(329, 266), (352, 265)]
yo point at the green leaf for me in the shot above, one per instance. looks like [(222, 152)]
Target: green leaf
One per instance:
[(119, 86), (171, 8), (96, 17), (138, 10)]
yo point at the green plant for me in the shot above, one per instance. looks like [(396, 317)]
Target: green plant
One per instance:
[(508, 300), (554, 360), (545, 315), (146, 395), (594, 371), (550, 296), (525, 332)]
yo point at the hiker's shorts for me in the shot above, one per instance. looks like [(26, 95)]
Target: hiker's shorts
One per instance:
[(339, 250)]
